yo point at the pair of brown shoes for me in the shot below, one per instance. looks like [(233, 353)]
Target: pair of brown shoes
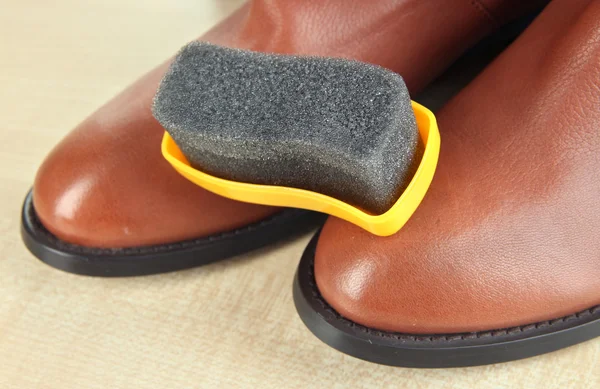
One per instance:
[(502, 259)]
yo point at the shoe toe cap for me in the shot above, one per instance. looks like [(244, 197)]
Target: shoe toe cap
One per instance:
[(107, 185), (419, 283)]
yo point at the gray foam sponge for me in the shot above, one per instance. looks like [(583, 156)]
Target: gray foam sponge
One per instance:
[(334, 126)]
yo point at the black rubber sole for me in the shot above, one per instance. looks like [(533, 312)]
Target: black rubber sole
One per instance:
[(137, 261), (438, 350)]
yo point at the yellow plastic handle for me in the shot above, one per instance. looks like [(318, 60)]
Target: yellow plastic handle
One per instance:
[(385, 224)]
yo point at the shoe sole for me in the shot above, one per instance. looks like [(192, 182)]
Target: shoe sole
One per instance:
[(437, 350), (136, 261)]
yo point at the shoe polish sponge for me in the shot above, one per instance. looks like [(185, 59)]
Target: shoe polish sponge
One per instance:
[(338, 127)]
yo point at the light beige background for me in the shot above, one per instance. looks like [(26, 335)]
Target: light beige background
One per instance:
[(227, 325)]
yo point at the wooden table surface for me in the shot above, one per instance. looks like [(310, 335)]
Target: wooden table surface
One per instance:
[(231, 324)]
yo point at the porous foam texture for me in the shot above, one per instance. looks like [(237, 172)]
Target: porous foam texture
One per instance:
[(338, 127)]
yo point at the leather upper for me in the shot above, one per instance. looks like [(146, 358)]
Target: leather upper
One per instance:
[(509, 233), (106, 184)]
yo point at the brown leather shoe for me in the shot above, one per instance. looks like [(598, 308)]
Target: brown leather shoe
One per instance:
[(105, 202), (502, 259)]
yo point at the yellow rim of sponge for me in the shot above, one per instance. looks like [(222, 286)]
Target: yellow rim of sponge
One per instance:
[(385, 224)]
